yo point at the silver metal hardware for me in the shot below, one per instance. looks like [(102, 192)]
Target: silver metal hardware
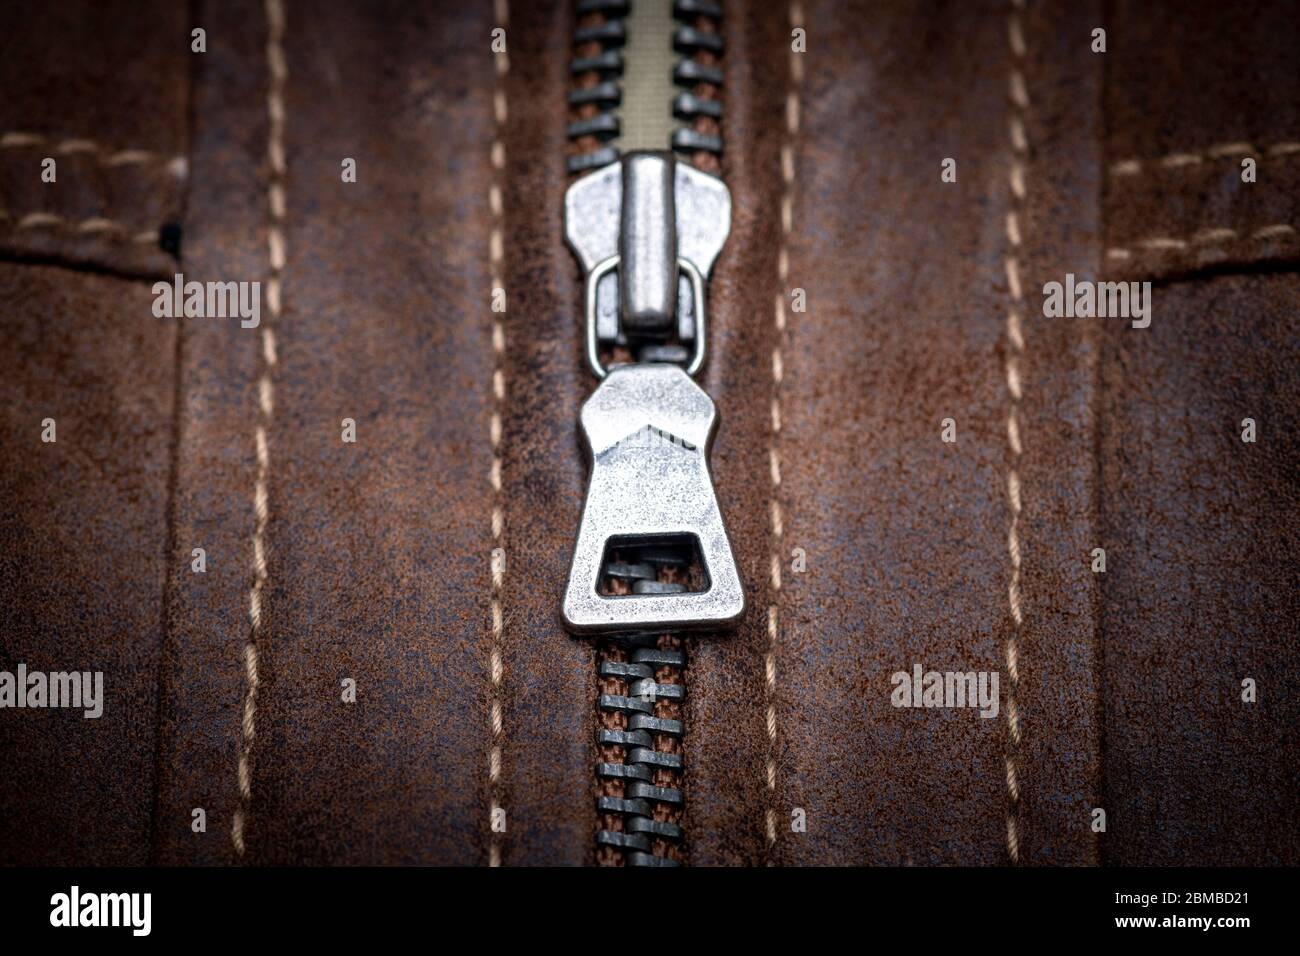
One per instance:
[(648, 428), (700, 320), (648, 244), (600, 226), (647, 232)]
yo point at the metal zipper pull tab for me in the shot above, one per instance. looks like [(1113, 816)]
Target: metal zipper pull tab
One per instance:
[(647, 231), (649, 427)]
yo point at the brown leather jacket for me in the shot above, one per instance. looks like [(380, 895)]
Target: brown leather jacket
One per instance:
[(372, 560)]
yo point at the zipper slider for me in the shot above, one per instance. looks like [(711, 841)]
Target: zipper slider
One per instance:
[(649, 210), (647, 231)]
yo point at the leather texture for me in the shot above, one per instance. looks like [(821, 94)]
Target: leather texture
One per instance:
[(379, 552)]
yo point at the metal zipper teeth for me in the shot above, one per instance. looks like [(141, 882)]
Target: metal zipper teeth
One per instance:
[(597, 68), (640, 763)]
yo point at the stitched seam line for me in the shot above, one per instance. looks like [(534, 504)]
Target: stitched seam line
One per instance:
[(1019, 96), (774, 453), (87, 227), (1202, 238), (496, 255), (266, 403), (105, 156), (1188, 158), (176, 166)]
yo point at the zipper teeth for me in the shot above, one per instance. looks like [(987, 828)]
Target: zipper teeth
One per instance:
[(639, 801), (700, 70), (640, 759), (599, 36), (597, 65)]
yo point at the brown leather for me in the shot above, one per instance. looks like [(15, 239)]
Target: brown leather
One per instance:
[(102, 89), (379, 552), (83, 533), (905, 535)]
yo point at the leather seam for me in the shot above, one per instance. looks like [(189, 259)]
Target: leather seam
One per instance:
[(278, 73), (1183, 159), (1019, 96), (172, 168), (496, 255), (94, 226), (1202, 238), (105, 156), (792, 119)]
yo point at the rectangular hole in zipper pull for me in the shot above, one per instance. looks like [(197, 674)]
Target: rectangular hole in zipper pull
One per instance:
[(653, 564)]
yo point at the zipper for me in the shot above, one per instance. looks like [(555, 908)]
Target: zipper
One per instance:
[(646, 217), (625, 71)]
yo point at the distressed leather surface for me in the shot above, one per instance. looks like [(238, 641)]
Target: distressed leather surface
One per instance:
[(378, 552), (905, 535)]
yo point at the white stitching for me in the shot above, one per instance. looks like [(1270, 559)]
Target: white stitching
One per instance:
[(496, 255), (1182, 159), (792, 120), (1200, 238), (176, 165), (1018, 92), (93, 226), (266, 406)]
